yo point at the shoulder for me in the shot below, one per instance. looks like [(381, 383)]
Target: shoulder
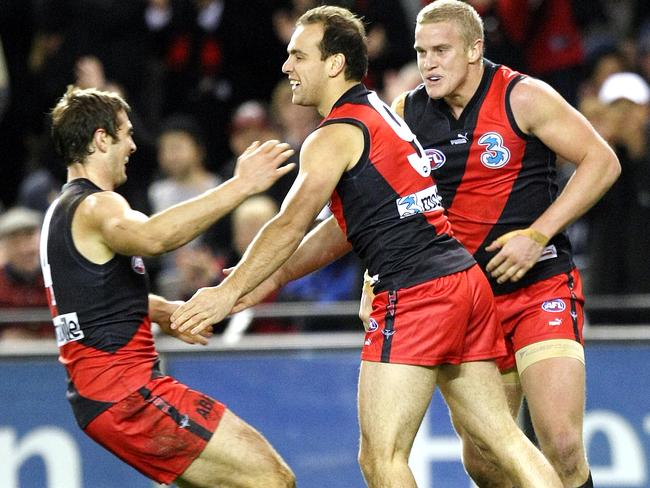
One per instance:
[(334, 136), (99, 207), (533, 101), (398, 104), (338, 144)]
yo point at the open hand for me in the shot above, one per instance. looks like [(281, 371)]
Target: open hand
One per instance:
[(208, 306), (259, 164), (165, 326), (519, 250)]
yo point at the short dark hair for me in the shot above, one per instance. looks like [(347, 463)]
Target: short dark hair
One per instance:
[(76, 117), (343, 32), (186, 124)]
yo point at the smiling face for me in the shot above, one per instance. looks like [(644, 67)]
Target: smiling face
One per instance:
[(304, 66), (444, 59), (121, 148)]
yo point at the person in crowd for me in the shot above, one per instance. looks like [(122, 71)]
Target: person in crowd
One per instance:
[(97, 288), (621, 265), (21, 282), (433, 320)]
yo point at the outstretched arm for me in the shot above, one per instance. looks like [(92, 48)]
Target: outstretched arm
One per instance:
[(105, 224), (325, 155), (541, 111), (323, 245)]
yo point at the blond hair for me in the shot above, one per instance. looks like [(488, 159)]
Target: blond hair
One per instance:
[(463, 14)]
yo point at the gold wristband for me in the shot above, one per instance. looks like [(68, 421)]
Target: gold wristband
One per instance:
[(531, 233), (536, 236)]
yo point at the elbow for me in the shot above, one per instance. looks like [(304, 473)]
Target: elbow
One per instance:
[(612, 170), (154, 247)]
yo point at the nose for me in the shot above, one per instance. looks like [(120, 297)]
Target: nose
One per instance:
[(286, 66), (429, 61), (134, 148)]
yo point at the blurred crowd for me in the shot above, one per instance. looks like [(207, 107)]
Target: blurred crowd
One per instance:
[(203, 79)]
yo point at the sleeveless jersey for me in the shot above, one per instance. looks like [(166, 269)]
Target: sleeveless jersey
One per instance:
[(492, 177), (387, 204), (100, 313)]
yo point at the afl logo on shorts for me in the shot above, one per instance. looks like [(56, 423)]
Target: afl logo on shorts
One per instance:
[(556, 305), (373, 325), (137, 264), (436, 158)]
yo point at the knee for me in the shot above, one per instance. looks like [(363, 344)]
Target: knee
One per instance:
[(480, 466), (375, 458), (284, 477), (369, 460), (562, 444)]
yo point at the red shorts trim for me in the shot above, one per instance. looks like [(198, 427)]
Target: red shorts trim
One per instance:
[(160, 429), (451, 319), (549, 309)]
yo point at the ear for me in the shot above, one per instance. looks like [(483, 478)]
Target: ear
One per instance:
[(336, 64), (100, 140), (475, 51)]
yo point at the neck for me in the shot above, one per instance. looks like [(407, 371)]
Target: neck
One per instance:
[(85, 170), (336, 92), (459, 98)]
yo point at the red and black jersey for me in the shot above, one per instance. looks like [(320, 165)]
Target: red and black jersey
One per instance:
[(492, 177), (100, 313), (387, 204)]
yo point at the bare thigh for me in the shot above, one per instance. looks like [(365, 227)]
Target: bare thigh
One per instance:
[(477, 400), (393, 399), (236, 456), (555, 391), (514, 396)]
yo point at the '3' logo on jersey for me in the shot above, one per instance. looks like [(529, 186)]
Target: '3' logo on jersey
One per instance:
[(496, 155)]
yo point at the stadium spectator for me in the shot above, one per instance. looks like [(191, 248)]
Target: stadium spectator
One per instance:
[(621, 265), (4, 83), (21, 282)]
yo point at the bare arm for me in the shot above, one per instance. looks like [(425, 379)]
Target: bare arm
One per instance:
[(325, 155), (105, 223), (323, 245), (541, 111)]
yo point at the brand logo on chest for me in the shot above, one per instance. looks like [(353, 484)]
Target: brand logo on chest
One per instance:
[(495, 155)]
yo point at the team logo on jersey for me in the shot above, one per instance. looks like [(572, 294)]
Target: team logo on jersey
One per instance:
[(436, 158), (137, 265), (388, 332), (496, 155), (423, 201), (556, 305), (373, 325)]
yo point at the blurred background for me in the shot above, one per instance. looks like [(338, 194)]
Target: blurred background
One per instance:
[(203, 78)]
